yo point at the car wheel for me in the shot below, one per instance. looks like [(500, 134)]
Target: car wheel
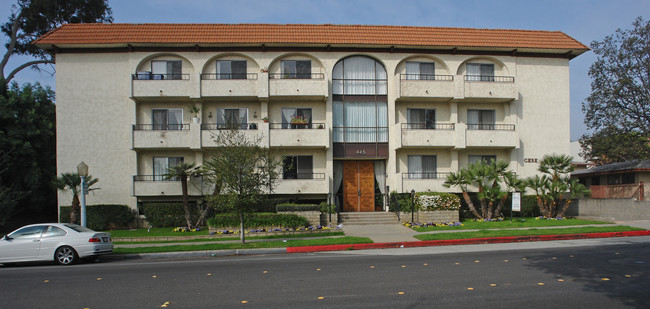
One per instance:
[(65, 255)]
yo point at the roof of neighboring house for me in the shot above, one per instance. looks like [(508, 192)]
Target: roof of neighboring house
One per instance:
[(114, 35), (628, 166)]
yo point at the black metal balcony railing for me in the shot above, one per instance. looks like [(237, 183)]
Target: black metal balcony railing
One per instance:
[(296, 76), (150, 76), (288, 176), (154, 178), (160, 127), (426, 77), (489, 78), (219, 76), (280, 125), (428, 126), (229, 126), (497, 127), (425, 175)]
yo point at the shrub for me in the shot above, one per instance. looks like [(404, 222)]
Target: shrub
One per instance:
[(296, 207), (431, 201), (400, 202), (325, 208), (170, 214), (104, 217), (258, 220)]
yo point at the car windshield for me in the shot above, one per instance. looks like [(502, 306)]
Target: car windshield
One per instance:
[(78, 228)]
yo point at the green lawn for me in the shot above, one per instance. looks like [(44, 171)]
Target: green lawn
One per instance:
[(468, 224), (155, 232), (251, 245), (531, 232), (235, 237)]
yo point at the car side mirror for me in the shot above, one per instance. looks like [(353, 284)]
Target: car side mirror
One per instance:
[(6, 237)]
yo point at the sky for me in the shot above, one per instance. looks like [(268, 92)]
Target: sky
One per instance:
[(584, 20)]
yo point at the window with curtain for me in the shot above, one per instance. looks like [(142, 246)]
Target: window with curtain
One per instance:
[(480, 119), (232, 118), (480, 72), (162, 164), (420, 118), (422, 167), (296, 118), (360, 122), (359, 75), (297, 69), (167, 119), (420, 70), (481, 158), (231, 69), (297, 167), (167, 69)]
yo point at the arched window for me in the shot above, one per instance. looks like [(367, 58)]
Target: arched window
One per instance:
[(359, 75)]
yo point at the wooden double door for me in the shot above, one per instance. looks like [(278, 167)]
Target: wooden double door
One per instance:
[(358, 186)]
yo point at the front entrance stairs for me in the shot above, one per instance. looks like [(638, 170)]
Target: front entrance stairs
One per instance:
[(364, 218)]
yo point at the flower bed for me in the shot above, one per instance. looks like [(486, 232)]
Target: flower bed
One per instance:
[(273, 230)]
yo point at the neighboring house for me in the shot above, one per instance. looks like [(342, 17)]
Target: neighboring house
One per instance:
[(629, 179), (352, 110)]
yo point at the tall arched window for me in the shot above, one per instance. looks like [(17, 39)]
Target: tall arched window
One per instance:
[(359, 88)]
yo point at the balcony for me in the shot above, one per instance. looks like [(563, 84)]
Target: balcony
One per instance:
[(490, 88), (491, 136), (161, 136), (147, 85), (425, 182), (311, 183), (229, 85), (150, 185), (209, 131), (419, 135), (313, 135), (302, 86), (422, 86)]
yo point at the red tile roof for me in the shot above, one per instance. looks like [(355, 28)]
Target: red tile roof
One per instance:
[(280, 34)]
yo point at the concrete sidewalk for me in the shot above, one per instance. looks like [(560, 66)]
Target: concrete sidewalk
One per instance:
[(380, 233)]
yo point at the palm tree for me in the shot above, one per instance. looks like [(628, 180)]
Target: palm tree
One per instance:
[(72, 182), (183, 171), (462, 180)]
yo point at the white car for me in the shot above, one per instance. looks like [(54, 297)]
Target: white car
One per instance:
[(62, 242)]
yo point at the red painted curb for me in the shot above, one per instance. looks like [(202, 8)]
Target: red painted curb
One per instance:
[(469, 241)]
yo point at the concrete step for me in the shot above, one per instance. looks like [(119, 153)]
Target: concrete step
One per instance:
[(363, 218)]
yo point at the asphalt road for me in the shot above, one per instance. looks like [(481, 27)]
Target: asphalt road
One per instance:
[(611, 276)]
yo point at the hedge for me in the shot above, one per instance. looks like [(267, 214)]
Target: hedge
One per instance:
[(104, 217), (258, 220), (170, 214), (431, 201), (529, 206), (296, 207)]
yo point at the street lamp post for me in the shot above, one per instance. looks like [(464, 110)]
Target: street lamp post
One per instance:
[(412, 205), (82, 170)]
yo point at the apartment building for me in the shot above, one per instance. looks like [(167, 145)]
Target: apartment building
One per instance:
[(352, 111)]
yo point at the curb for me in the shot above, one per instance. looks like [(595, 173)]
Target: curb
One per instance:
[(469, 241)]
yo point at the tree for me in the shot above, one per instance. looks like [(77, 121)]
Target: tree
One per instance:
[(72, 182), (27, 141), (613, 145), (489, 178), (619, 104), (8, 196), (183, 171), (241, 172), (555, 189), (30, 19)]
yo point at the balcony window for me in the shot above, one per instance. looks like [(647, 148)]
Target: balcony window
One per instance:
[(482, 158), (422, 167), (296, 118), (231, 69), (359, 75), (480, 119), (161, 166), (167, 119), (166, 69), (232, 118), (419, 118), (420, 70), (296, 69), (360, 122), (483, 72), (298, 167)]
